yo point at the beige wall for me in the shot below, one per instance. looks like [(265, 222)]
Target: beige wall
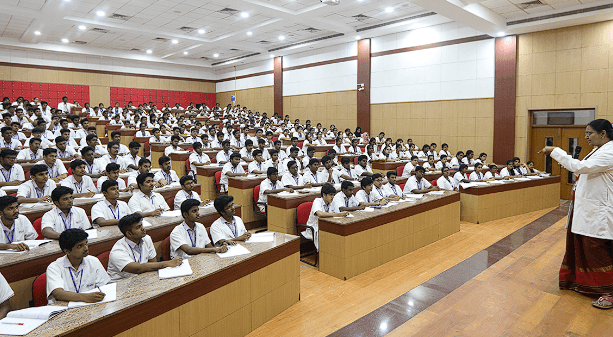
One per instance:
[(463, 124), (338, 108), (569, 67), (99, 84), (255, 99)]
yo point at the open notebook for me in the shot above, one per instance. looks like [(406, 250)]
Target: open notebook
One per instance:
[(110, 294), (21, 322)]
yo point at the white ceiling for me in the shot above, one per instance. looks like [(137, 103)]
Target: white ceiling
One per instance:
[(226, 32)]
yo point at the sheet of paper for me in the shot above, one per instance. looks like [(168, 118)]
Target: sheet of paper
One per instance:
[(92, 233), (94, 198), (43, 313), (534, 177), (367, 210), (19, 326), (233, 251), (261, 237), (110, 295), (468, 185), (34, 243), (286, 193), (436, 192), (389, 204), (414, 196), (496, 182), (522, 179), (10, 189), (146, 223), (171, 213), (480, 183), (183, 270)]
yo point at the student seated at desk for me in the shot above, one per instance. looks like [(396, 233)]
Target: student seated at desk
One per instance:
[(531, 171), (445, 182), (410, 167), (112, 156), (130, 160), (54, 166), (15, 227), (292, 177), (107, 212), (312, 176), (442, 163), (345, 172), (142, 132), (223, 156), (327, 174), (345, 201), (145, 201), (12, 174), (378, 192), (228, 229), (70, 276), (193, 136), (294, 143), (78, 181), (391, 189), (33, 154), (112, 173), (273, 161), (165, 176), (217, 143), (257, 166), (187, 192), (509, 171), (92, 141), (190, 237), (92, 165), (477, 174), (7, 141), (174, 145), (417, 184), (493, 173), (293, 156), (63, 216), (457, 160), (270, 185), (338, 146), (362, 168), (445, 150), (482, 158), (468, 159), (462, 176), (354, 148), (365, 196), (231, 169), (310, 154), (322, 208), (245, 152), (144, 166), (198, 157), (38, 189), (134, 253), (5, 295), (430, 165), (156, 137)]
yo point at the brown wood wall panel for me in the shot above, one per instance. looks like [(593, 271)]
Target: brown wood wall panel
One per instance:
[(505, 98), (278, 89), (363, 96)]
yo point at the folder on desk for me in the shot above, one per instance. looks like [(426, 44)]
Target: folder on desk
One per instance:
[(21, 322), (91, 233), (169, 272), (261, 237), (233, 251)]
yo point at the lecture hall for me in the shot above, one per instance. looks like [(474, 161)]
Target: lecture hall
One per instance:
[(306, 168)]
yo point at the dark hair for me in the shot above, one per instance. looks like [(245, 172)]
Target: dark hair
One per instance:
[(36, 169), (271, 170), (291, 163), (112, 167), (6, 128), (70, 237), (345, 184), (59, 191), (420, 169), (144, 161), (256, 152), (76, 163), (313, 161), (7, 152), (83, 150), (185, 179), (327, 188), (174, 137), (111, 144), (35, 139), (463, 166), (133, 144), (108, 184), (140, 179), (188, 204), (221, 202), (376, 176), (602, 124), (196, 145), (293, 149), (459, 152), (6, 201), (115, 133), (511, 172), (59, 139), (125, 224), (49, 151), (469, 152), (365, 182), (361, 157), (391, 173), (90, 137), (235, 155), (163, 159), (325, 159)]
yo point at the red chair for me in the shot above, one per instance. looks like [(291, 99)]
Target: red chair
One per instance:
[(104, 259), (69, 171), (36, 226), (171, 202), (399, 170), (302, 216), (27, 175), (256, 197), (300, 145), (275, 139), (188, 166), (401, 186), (218, 185), (39, 290), (166, 249), (355, 160), (434, 182)]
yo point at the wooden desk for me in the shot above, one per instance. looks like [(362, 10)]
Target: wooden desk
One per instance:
[(101, 127), (351, 246), (178, 162), (497, 201), (321, 150), (111, 128), (383, 167), (157, 150), (241, 188), (127, 135), (225, 297), (142, 141)]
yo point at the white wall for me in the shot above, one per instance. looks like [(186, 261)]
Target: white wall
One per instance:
[(66, 60), (461, 71), (246, 83)]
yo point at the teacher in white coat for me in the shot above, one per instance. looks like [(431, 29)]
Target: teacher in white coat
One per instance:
[(588, 262)]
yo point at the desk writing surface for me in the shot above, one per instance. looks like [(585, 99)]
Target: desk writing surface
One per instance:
[(510, 184), (144, 290)]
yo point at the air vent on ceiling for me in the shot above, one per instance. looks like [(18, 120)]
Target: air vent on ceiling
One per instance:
[(311, 30), (80, 42), (228, 11), (161, 39), (120, 17), (308, 41), (558, 15), (234, 49), (396, 21), (361, 17), (187, 29), (204, 58), (235, 59), (531, 4), (100, 30), (136, 49), (264, 42)]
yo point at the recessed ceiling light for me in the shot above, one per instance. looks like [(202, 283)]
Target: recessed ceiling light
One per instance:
[(65, 40), (36, 33), (281, 37), (200, 31), (249, 33), (100, 13), (357, 38), (175, 41), (244, 14), (149, 51), (81, 27), (272, 55), (185, 53), (389, 9), (215, 55), (501, 34)]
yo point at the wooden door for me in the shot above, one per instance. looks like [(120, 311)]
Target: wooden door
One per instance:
[(572, 136)]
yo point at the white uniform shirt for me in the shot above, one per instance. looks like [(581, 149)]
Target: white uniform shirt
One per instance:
[(169, 149), (106, 159), (362, 197), (222, 156), (336, 174), (21, 229), (445, 184), (170, 178), (124, 252), (183, 235), (129, 160), (289, 180), (407, 170), (139, 202), (13, 144), (454, 161), (104, 209), (194, 158), (358, 169), (29, 189), (245, 154), (489, 175), (121, 184), (412, 184), (388, 190), (5, 290), (223, 230), (267, 185), (459, 177), (62, 275), (76, 219), (227, 167), (13, 174), (317, 178), (468, 162), (256, 166), (181, 196), (474, 176), (86, 185), (142, 134), (313, 221), (56, 170), (341, 200), (27, 154)]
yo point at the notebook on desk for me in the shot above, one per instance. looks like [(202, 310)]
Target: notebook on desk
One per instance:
[(21, 322)]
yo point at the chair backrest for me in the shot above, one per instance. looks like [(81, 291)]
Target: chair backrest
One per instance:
[(27, 176), (187, 166), (274, 139), (171, 202), (399, 170), (147, 147), (36, 226), (256, 193), (166, 249), (363, 149), (69, 171), (303, 212), (434, 182), (104, 259), (355, 160), (217, 177), (300, 145), (401, 186), (213, 160), (39, 290)]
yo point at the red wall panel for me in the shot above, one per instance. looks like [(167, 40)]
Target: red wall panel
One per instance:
[(50, 92), (159, 97)]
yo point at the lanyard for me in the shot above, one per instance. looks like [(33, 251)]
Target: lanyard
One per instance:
[(78, 186), (380, 192), (150, 198), (419, 186), (168, 177), (33, 155), (6, 178), (90, 168), (64, 219), (73, 281), (10, 231), (116, 217), (192, 239), (50, 171), (346, 202), (367, 196), (134, 255), (296, 180), (188, 196), (314, 177), (326, 208), (36, 189), (233, 227), (394, 189)]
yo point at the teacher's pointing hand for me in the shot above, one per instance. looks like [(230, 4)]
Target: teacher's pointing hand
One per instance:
[(547, 150)]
